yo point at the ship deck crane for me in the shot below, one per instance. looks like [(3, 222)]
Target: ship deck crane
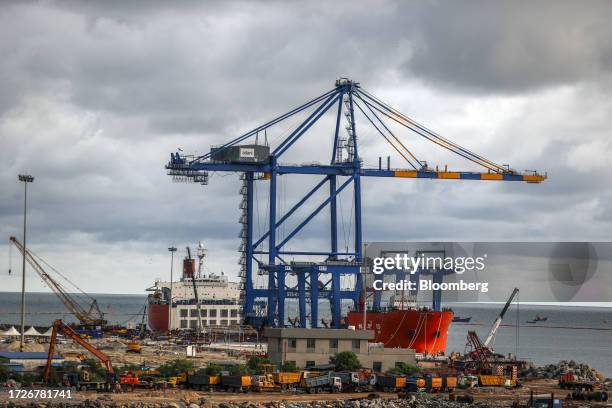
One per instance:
[(93, 316), (195, 290), (269, 252), (61, 327)]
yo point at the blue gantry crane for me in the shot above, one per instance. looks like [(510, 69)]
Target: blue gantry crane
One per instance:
[(304, 279)]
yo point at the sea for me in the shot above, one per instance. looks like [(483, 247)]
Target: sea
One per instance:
[(579, 333)]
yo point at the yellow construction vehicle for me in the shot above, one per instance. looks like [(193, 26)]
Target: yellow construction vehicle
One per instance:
[(288, 380), (134, 347), (264, 382), (177, 381)]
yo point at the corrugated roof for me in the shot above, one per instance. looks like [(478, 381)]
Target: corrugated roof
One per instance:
[(28, 355)]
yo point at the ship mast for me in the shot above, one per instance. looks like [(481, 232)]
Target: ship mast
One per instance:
[(201, 253)]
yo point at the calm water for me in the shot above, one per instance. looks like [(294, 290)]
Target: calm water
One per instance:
[(43, 308), (535, 342)]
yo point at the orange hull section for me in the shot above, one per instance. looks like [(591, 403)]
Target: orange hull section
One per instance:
[(157, 317), (426, 331)]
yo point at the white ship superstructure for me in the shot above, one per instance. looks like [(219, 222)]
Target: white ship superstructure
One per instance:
[(218, 299)]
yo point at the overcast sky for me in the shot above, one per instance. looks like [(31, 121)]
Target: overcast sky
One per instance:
[(94, 96)]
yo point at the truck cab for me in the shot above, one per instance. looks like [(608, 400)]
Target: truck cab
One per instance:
[(336, 384)]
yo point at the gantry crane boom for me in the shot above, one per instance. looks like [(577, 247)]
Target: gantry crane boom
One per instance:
[(93, 316), (61, 327), (321, 279)]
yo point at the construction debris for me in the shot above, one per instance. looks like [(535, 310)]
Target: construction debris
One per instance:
[(553, 371)]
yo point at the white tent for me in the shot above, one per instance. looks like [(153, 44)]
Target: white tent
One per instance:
[(48, 333), (31, 332), (11, 332)]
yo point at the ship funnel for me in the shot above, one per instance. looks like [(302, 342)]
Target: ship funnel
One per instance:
[(188, 268)]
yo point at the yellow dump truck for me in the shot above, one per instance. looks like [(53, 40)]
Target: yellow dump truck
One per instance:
[(134, 347), (449, 383), (236, 383), (433, 384), (496, 381), (390, 383), (202, 381), (415, 384), (288, 380)]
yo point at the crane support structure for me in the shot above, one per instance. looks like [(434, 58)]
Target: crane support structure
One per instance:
[(308, 281)]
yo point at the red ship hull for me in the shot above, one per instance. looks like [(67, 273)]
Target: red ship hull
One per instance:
[(425, 331), (158, 317)]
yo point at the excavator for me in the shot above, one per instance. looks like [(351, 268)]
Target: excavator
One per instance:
[(82, 381)]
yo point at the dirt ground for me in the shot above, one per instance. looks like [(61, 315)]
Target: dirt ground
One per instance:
[(153, 353), (499, 396), (539, 387)]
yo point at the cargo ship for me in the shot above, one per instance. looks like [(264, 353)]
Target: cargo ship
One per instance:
[(402, 323), (211, 296), (422, 329)]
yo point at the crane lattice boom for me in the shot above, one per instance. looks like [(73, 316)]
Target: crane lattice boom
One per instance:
[(93, 316)]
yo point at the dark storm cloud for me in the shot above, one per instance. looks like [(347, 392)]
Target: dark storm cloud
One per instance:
[(511, 46), (198, 66), (95, 95)]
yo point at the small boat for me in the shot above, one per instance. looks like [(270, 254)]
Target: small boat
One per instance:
[(538, 318), (459, 319)]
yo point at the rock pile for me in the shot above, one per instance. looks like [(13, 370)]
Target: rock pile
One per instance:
[(362, 403), (554, 371), (415, 402)]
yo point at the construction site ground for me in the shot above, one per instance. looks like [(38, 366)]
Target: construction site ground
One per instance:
[(152, 353), (155, 353), (493, 395)]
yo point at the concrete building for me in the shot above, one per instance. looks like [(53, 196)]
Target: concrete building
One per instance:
[(309, 347), (29, 359)]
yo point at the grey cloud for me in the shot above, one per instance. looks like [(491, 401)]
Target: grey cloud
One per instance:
[(95, 97), (510, 46), (132, 66)]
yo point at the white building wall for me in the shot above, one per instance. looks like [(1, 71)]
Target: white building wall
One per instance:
[(185, 316)]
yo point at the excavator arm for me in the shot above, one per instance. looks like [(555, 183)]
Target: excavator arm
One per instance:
[(61, 327)]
